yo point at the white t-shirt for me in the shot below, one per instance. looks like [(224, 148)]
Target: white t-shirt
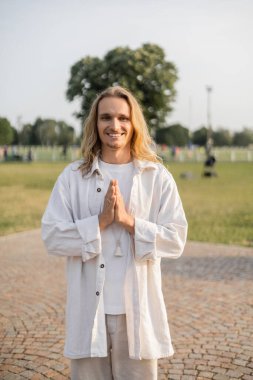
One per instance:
[(115, 266)]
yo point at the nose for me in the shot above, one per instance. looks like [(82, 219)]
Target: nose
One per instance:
[(115, 123)]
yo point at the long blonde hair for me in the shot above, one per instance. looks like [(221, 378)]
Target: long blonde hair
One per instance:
[(141, 140)]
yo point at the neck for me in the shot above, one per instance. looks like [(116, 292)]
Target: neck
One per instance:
[(116, 157)]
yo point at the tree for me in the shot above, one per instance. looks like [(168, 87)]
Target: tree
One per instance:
[(25, 134), (15, 139), (6, 131), (66, 134), (47, 132), (35, 135), (144, 71), (199, 136), (222, 137), (243, 138), (175, 134)]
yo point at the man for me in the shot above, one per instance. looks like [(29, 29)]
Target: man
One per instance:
[(114, 214)]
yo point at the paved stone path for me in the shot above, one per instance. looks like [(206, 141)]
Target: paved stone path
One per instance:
[(208, 293)]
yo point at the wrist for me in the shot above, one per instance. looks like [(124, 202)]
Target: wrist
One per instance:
[(128, 223), (102, 222)]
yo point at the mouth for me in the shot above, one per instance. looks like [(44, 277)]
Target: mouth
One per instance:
[(115, 135)]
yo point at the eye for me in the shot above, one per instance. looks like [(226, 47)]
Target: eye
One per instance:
[(105, 117), (124, 118)]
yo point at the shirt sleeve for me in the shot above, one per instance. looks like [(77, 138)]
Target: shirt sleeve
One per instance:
[(166, 237), (64, 236)]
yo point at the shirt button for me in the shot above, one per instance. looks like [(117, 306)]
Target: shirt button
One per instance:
[(98, 189), (102, 266), (97, 293)]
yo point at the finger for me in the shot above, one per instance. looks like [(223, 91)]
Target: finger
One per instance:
[(113, 186), (109, 195), (116, 206), (110, 202), (117, 198), (120, 201), (113, 183), (118, 193), (118, 190), (110, 189)]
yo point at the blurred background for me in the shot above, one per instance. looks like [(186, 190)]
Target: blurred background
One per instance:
[(188, 62)]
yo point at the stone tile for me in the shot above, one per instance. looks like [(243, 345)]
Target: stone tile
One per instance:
[(207, 292)]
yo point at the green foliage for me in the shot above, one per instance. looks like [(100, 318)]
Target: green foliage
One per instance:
[(175, 134), (222, 137), (15, 139), (199, 136), (144, 71), (25, 134), (243, 138), (47, 132), (66, 134), (35, 135), (6, 131)]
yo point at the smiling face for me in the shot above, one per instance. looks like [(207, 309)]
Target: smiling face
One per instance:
[(114, 125)]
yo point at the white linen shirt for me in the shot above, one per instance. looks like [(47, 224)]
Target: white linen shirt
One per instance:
[(70, 227)]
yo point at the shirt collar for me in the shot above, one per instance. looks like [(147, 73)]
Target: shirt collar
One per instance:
[(94, 169), (140, 165)]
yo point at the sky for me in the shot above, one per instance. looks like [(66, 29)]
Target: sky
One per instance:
[(209, 41)]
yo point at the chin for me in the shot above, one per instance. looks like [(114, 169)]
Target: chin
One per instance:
[(114, 146)]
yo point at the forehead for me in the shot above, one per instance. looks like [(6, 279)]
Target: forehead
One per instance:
[(113, 105)]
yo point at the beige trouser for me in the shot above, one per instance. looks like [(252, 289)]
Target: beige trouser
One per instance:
[(117, 365)]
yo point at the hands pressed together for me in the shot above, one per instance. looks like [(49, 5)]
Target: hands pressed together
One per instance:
[(114, 209)]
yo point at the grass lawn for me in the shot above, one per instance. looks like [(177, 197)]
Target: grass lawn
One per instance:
[(219, 210), (24, 192)]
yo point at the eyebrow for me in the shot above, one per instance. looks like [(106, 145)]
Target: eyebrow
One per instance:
[(109, 114)]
